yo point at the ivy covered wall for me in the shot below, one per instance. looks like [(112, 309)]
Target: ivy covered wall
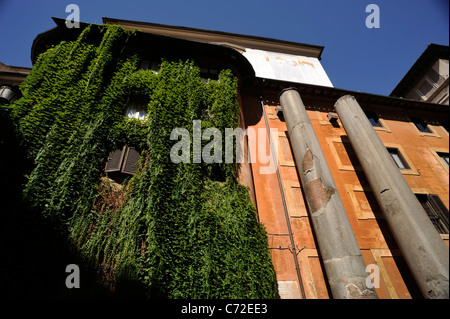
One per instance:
[(182, 230)]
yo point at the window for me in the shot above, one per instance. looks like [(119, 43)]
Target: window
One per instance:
[(421, 125), (428, 85), (151, 64), (436, 211), (131, 160), (136, 107), (209, 74), (115, 159), (373, 118), (425, 89), (398, 158), (123, 160), (444, 157), (8, 94)]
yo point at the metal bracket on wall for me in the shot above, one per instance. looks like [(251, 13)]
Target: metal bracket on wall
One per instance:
[(297, 250)]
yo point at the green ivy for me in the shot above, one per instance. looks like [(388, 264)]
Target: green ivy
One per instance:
[(182, 230)]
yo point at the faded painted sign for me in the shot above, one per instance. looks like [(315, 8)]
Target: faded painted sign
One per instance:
[(287, 67)]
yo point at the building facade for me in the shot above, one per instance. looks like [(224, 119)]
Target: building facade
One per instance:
[(427, 80), (302, 235)]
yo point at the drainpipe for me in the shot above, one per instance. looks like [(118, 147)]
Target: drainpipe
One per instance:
[(421, 245), (342, 258), (283, 199)]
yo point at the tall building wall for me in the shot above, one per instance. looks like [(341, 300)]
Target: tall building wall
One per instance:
[(418, 133), (427, 174)]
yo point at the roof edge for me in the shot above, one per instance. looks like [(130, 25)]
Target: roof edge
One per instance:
[(431, 53), (239, 39), (326, 91)]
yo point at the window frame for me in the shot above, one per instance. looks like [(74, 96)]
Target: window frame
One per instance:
[(127, 162), (436, 211), (413, 120), (435, 151), (443, 154), (411, 170), (343, 139), (111, 156), (382, 126), (373, 115), (136, 107), (398, 158), (123, 161)]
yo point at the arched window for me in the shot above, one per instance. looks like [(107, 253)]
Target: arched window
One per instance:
[(136, 107)]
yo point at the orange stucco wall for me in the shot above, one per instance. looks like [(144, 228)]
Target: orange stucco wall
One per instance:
[(427, 175)]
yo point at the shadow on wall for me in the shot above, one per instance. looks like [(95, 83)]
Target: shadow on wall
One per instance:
[(400, 262), (34, 255)]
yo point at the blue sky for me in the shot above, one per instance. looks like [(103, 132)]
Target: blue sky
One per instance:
[(355, 58)]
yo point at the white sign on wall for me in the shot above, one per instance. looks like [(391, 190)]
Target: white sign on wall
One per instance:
[(287, 67)]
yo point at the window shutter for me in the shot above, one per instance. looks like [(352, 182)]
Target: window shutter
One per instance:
[(131, 161), (115, 159), (441, 210), (435, 77), (426, 88)]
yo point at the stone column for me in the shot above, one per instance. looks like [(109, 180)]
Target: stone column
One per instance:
[(344, 265), (421, 245)]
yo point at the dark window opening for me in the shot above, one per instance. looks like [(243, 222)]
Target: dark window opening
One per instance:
[(209, 74), (131, 161), (398, 158), (150, 64), (436, 211), (373, 118), (445, 125), (8, 94), (136, 107), (421, 125), (443, 157), (123, 160)]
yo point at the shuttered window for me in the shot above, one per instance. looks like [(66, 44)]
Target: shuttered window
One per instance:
[(426, 89), (124, 160), (115, 159), (131, 160), (436, 211), (430, 83)]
